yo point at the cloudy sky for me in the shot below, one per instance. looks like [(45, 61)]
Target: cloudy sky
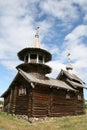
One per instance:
[(63, 29)]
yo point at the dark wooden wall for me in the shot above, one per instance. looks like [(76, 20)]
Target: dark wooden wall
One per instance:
[(6, 102), (41, 101), (44, 101), (60, 106), (52, 102)]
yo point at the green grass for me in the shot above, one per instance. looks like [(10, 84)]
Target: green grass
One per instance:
[(1, 102), (8, 122)]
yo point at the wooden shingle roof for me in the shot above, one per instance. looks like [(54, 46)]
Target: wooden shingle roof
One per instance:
[(70, 76), (73, 79), (75, 84), (49, 82)]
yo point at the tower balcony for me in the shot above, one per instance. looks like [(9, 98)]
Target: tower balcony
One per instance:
[(34, 54), (34, 58)]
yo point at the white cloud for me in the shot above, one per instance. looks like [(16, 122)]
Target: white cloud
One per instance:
[(45, 28), (14, 7), (85, 19), (78, 32), (82, 6), (74, 43), (82, 3), (61, 9), (54, 49), (17, 28), (56, 67), (16, 31), (10, 64)]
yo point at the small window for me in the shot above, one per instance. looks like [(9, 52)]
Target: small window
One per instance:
[(22, 91), (67, 96), (33, 56), (79, 97), (40, 57)]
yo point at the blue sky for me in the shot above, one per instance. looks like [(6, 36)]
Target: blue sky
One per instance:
[(63, 29)]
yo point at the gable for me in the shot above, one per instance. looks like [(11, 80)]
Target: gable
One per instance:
[(72, 79), (17, 79)]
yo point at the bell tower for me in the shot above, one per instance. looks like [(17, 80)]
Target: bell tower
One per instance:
[(34, 58)]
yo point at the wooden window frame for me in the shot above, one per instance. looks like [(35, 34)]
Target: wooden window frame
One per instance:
[(68, 96), (79, 97), (22, 92)]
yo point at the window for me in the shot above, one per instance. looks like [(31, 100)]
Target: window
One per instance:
[(22, 91), (33, 56), (67, 96), (40, 57), (79, 97)]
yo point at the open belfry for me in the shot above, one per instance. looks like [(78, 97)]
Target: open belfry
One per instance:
[(34, 94)]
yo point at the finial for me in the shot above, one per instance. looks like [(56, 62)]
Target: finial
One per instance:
[(37, 32), (36, 43), (69, 67), (68, 57)]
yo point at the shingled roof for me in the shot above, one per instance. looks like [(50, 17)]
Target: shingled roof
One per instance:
[(50, 82), (70, 76), (72, 79)]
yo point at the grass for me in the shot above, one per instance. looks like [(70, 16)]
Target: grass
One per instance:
[(8, 122), (1, 102)]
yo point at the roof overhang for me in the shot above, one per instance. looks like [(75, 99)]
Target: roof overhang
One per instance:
[(43, 52), (49, 82)]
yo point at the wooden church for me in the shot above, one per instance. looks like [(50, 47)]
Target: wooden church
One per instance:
[(34, 94)]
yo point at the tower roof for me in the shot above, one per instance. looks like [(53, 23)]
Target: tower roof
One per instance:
[(69, 66), (36, 42), (35, 49)]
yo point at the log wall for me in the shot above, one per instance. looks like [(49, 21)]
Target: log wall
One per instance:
[(6, 102), (41, 102), (21, 102), (53, 102), (21, 105), (13, 96), (45, 101)]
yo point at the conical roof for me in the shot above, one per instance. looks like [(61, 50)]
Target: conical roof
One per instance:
[(36, 42)]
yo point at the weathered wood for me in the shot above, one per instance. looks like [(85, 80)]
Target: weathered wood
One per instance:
[(43, 101)]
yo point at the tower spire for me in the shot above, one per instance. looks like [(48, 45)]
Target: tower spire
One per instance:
[(69, 67), (37, 32), (68, 58), (36, 42)]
